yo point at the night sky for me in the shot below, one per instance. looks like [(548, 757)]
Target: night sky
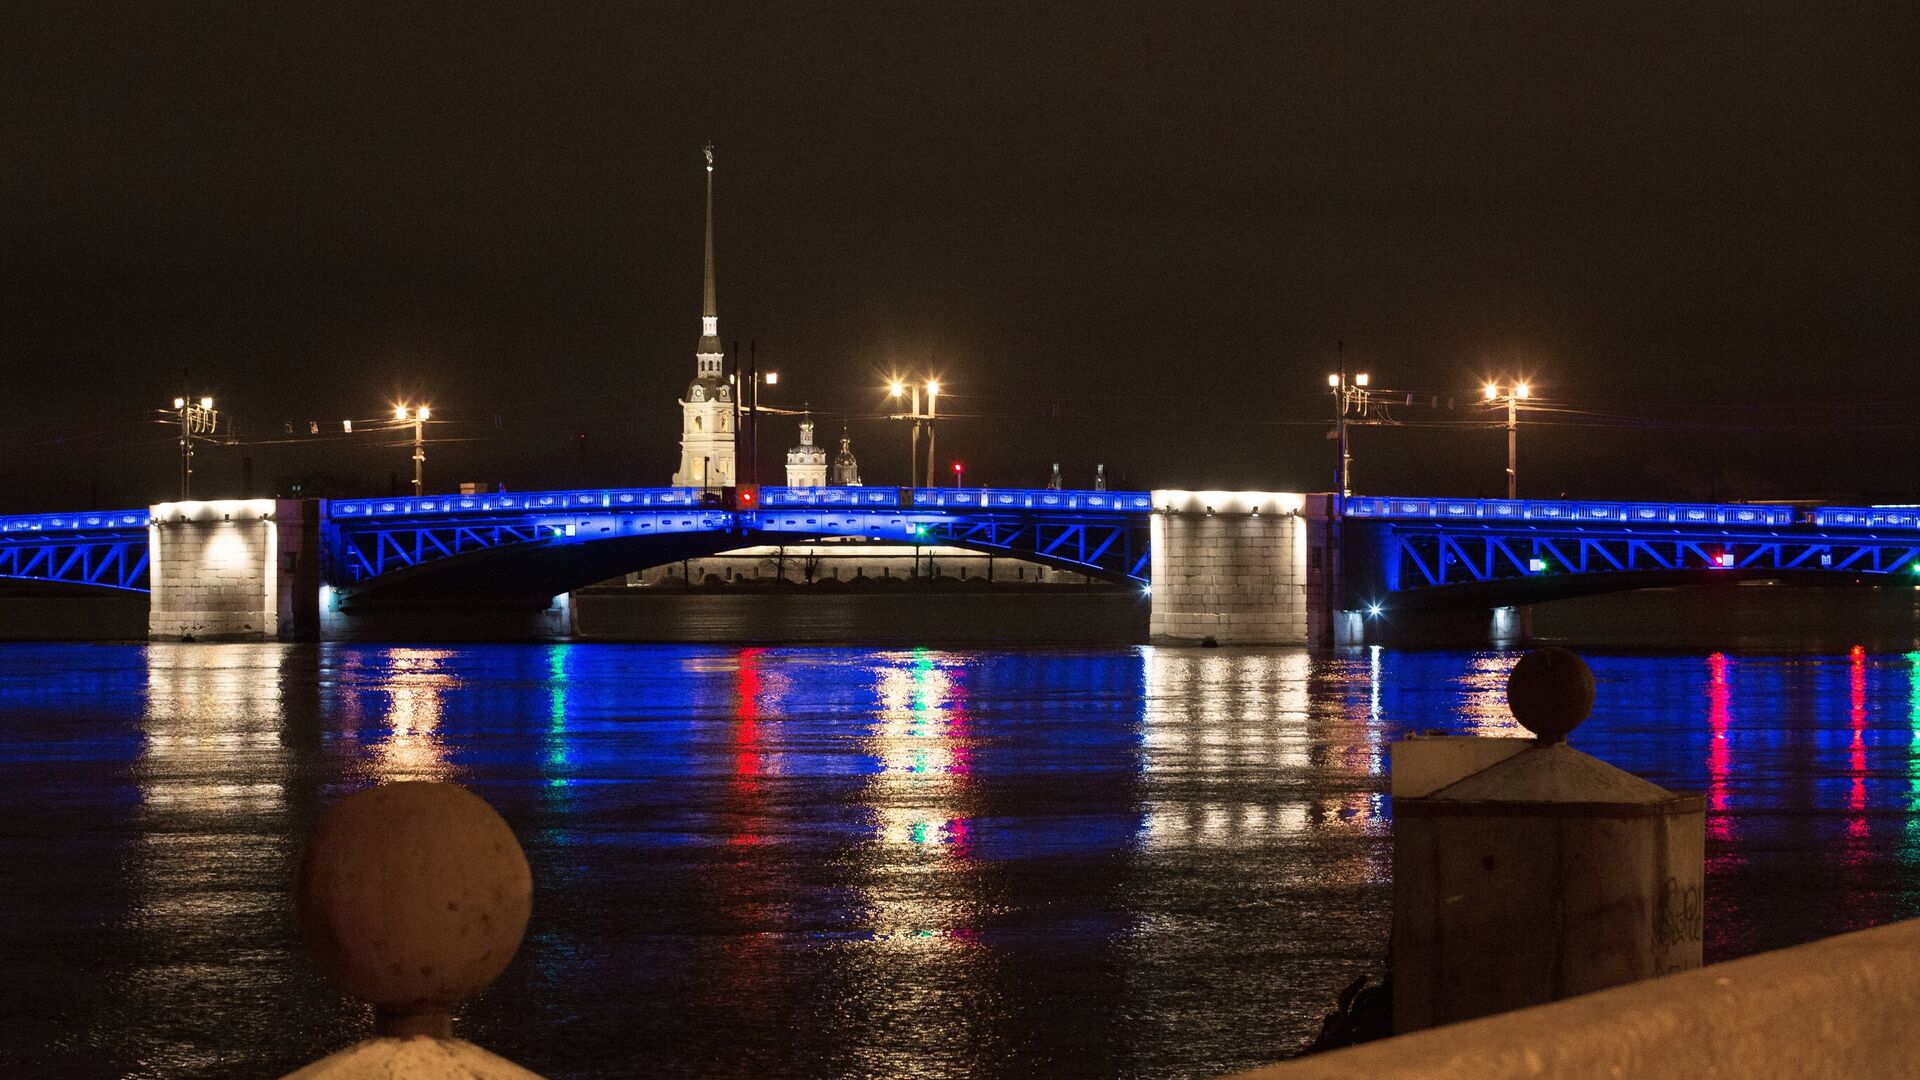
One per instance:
[(1127, 234)]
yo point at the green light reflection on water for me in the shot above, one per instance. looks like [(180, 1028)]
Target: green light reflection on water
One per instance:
[(557, 760)]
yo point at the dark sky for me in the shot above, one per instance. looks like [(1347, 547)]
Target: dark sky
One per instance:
[(1129, 234)]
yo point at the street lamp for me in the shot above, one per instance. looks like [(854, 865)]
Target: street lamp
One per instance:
[(197, 419), (1349, 392), (418, 416), (747, 379), (959, 471), (896, 388), (752, 408), (1514, 394), (933, 409)]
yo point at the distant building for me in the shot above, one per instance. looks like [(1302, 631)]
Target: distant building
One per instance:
[(846, 471), (807, 463), (706, 413)]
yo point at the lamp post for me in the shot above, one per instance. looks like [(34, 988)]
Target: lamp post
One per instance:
[(752, 408), (418, 415), (933, 403), (196, 418), (1348, 391), (1515, 393), (959, 472), (898, 388)]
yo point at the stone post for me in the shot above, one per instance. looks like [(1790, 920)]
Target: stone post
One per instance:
[(1539, 874), (413, 897)]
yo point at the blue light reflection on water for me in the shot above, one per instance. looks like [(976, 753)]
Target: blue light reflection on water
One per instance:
[(857, 861)]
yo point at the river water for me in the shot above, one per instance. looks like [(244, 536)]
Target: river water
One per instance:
[(846, 861)]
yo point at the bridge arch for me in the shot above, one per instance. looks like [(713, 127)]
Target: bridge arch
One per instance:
[(531, 572)]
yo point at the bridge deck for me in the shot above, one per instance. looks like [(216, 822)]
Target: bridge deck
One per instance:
[(1394, 544)]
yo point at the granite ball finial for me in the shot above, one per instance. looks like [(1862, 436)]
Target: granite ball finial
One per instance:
[(1550, 691), (413, 896)]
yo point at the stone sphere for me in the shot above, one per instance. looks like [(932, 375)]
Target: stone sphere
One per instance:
[(413, 896), (1550, 691)]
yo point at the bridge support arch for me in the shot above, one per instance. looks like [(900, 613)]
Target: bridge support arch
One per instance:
[(1242, 568)]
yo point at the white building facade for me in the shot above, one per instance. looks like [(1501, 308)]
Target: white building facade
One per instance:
[(807, 463)]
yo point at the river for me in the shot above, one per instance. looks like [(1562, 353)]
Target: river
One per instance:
[(855, 861)]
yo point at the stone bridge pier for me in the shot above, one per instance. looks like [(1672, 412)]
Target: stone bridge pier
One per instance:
[(1245, 568), (233, 570)]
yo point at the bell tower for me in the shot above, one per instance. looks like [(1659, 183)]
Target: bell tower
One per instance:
[(706, 413)]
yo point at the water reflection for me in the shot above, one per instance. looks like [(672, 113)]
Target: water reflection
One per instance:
[(414, 684), (1483, 705), (1719, 753), (215, 843), (1857, 746), (1912, 808), (862, 862)]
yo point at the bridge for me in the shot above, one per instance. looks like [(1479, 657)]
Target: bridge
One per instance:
[(1233, 566), (1501, 552)]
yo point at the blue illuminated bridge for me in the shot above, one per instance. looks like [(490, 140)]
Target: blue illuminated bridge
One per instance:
[(1406, 552)]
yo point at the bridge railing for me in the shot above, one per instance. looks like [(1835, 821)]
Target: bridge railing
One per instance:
[(1868, 517), (14, 524), (1042, 499), (1029, 499), (1496, 510), (521, 502)]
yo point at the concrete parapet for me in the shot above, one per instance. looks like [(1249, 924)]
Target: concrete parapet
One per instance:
[(1839, 1007), (1545, 874)]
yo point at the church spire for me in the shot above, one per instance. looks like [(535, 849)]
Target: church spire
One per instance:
[(709, 355), (709, 310)]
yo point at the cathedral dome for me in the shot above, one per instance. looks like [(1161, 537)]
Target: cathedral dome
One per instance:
[(846, 471)]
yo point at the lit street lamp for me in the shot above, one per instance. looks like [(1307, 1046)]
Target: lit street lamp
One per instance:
[(418, 416), (1519, 391), (1348, 393), (899, 387), (197, 418)]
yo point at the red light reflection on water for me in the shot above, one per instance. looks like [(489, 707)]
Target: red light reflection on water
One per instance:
[(1857, 749), (1719, 718), (748, 766)]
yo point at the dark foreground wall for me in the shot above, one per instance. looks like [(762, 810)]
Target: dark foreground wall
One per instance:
[(1062, 616)]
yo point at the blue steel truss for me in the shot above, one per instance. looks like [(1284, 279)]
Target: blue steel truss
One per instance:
[(107, 549), (1117, 547), (1435, 543), (1100, 532)]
